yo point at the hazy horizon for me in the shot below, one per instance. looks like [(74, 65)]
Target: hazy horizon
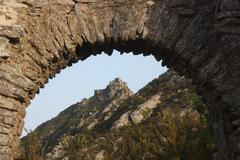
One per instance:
[(79, 81)]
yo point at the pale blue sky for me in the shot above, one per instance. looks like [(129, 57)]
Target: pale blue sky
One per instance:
[(80, 80)]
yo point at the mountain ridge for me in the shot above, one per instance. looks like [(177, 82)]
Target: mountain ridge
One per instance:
[(112, 115), (116, 90)]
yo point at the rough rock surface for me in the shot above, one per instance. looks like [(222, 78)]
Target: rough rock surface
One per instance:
[(100, 156), (198, 38), (147, 108), (137, 115)]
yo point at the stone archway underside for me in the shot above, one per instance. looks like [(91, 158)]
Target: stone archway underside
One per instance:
[(198, 38)]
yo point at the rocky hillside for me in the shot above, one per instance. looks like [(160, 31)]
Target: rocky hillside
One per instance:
[(165, 119)]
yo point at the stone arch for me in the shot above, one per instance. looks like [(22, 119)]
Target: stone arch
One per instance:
[(198, 38)]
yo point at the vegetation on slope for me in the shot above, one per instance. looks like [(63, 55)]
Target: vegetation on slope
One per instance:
[(177, 129), (174, 133)]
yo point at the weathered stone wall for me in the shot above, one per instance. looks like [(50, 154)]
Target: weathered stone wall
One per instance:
[(198, 38)]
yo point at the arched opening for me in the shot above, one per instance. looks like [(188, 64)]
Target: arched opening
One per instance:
[(156, 67), (80, 81)]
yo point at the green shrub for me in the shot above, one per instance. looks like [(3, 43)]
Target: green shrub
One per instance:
[(33, 147), (172, 136)]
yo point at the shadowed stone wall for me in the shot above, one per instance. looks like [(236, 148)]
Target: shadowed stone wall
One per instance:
[(198, 38)]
